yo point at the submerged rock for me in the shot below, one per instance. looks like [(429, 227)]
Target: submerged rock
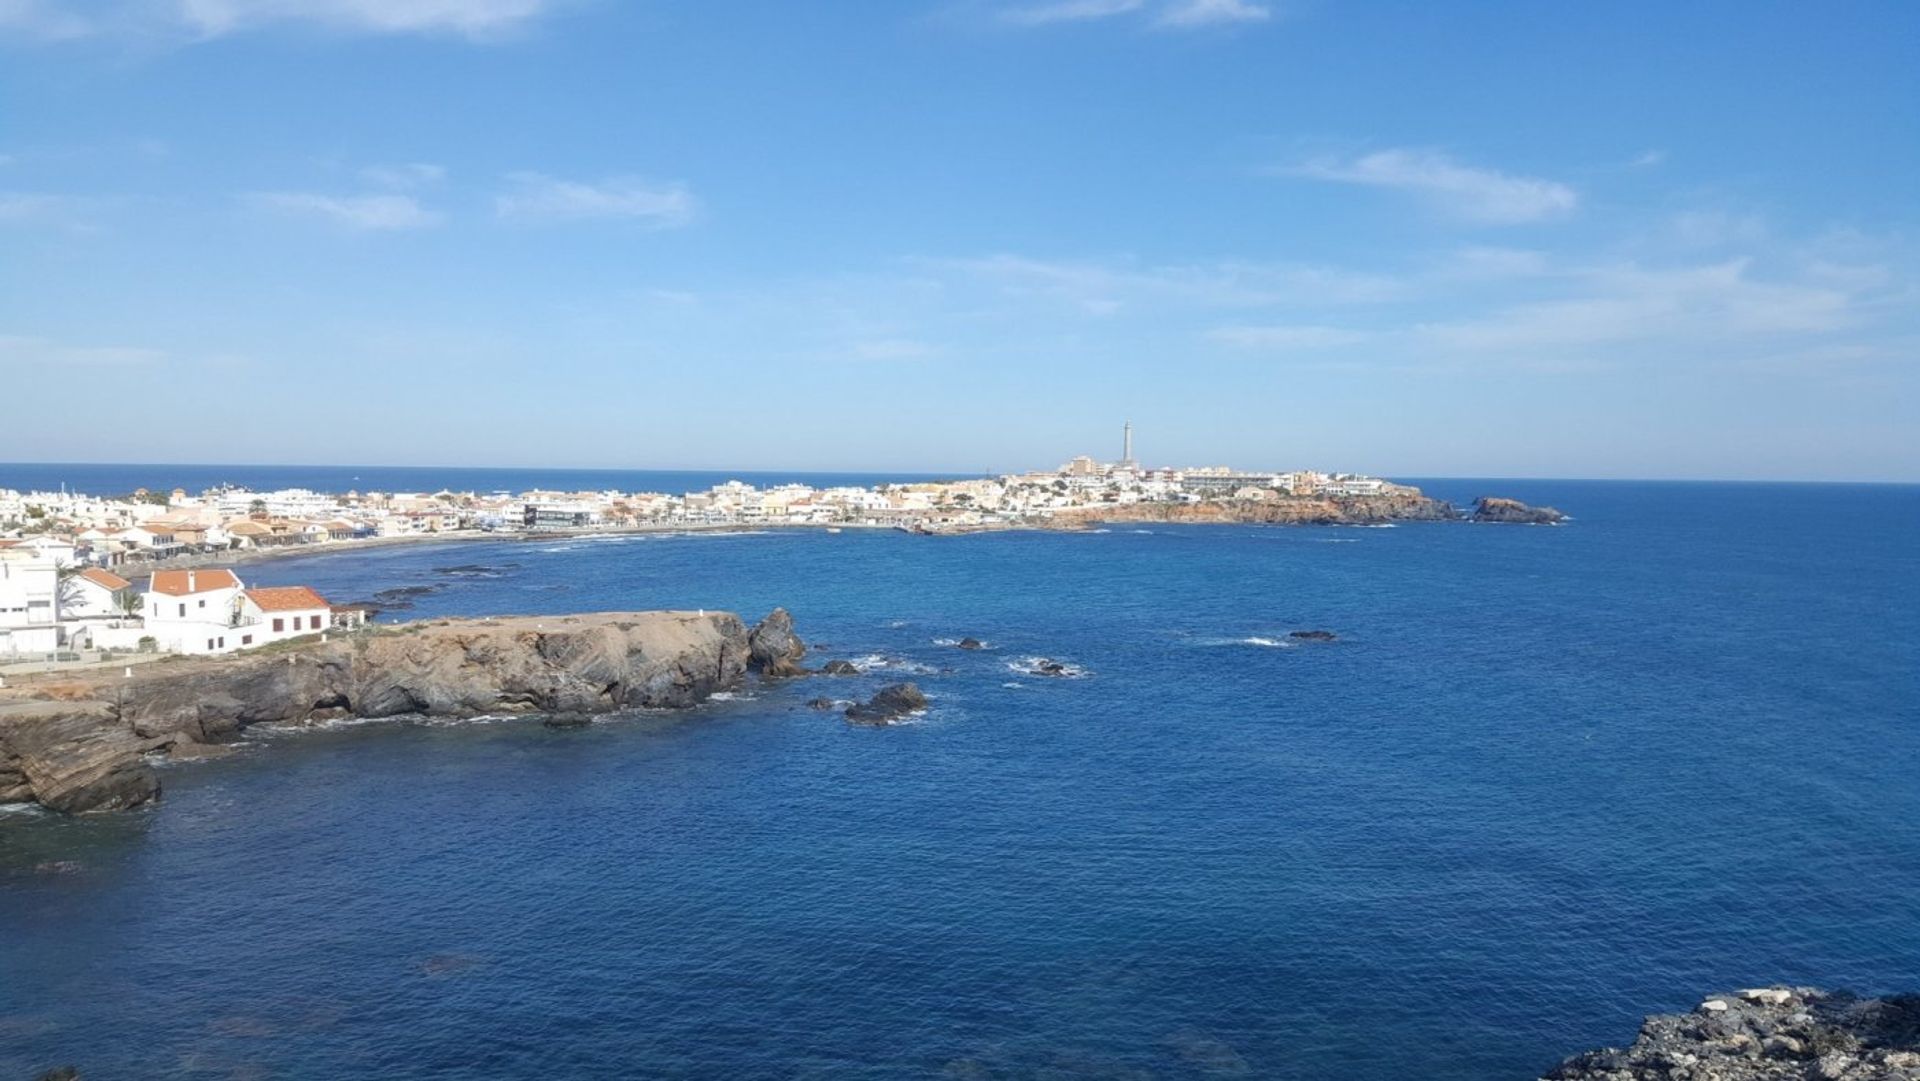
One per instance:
[(840, 668), (972, 643), (1512, 511), (773, 649), (1313, 636), (568, 720), (887, 706), (1766, 1034), (821, 704)]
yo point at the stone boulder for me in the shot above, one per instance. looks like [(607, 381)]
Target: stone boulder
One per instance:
[(890, 704), (1766, 1034), (1513, 512), (839, 668), (773, 649)]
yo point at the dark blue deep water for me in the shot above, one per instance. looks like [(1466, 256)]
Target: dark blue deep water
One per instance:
[(1548, 780)]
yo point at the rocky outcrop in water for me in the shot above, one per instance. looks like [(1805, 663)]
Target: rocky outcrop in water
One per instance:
[(891, 704), (79, 743), (1513, 512), (773, 649), (1767, 1034)]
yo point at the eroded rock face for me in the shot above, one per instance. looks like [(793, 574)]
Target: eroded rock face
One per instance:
[(1770, 1033), (1514, 512), (889, 705), (79, 745), (773, 649)]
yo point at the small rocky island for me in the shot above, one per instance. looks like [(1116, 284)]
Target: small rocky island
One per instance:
[(1767, 1034), (80, 742)]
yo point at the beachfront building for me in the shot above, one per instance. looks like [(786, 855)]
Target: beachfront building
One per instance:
[(193, 611), (278, 613)]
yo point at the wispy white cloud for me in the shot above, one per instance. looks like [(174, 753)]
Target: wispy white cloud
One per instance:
[(19, 351), (1195, 13), (892, 349), (1101, 289), (406, 177), (44, 20), (1167, 14), (534, 197), (370, 213), (1068, 11), (40, 20), (25, 206), (1613, 305), (1475, 194), (1287, 338)]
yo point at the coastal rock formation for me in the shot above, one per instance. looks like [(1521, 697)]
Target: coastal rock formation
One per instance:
[(889, 705), (79, 743), (773, 649), (1766, 1034), (839, 668), (1493, 509), (1399, 504)]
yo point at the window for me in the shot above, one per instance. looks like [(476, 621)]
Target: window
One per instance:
[(203, 602), (279, 625), (209, 645), (319, 622), (296, 623), (246, 639), (183, 610)]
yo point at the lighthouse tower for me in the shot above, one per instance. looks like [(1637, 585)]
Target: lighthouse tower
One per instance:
[(1126, 447)]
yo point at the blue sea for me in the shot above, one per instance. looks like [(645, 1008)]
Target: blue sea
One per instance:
[(1547, 780)]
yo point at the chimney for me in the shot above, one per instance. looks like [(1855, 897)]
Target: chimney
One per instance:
[(189, 581)]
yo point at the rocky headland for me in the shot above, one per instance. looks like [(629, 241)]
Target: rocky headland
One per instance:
[(1399, 505), (81, 742), (1766, 1034)]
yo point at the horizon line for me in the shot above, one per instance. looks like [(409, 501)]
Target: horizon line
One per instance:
[(1388, 475)]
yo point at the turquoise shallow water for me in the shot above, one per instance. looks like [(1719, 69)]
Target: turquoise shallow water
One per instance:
[(1548, 780)]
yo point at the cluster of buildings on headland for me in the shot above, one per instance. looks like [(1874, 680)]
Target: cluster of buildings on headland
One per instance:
[(81, 545), (51, 602)]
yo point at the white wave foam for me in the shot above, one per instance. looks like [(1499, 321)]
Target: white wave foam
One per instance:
[(1256, 640), (1030, 666), (22, 809)]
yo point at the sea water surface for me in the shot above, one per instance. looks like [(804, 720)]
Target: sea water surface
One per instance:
[(1547, 779)]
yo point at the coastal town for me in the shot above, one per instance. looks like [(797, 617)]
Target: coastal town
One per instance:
[(142, 571)]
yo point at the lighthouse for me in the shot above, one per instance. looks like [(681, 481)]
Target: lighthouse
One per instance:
[(1126, 445)]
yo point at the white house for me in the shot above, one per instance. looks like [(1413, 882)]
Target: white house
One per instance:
[(194, 611), (29, 600), (270, 615), (94, 592)]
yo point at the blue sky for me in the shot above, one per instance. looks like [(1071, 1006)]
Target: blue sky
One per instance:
[(1620, 240)]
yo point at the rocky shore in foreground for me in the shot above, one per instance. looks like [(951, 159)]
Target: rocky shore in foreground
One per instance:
[(81, 742), (1766, 1034)]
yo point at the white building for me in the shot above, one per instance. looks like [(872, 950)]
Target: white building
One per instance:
[(94, 592), (193, 611), (29, 600), (278, 613)]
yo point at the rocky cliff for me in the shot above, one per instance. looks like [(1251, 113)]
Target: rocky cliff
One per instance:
[(1401, 505), (1767, 1034), (80, 743)]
